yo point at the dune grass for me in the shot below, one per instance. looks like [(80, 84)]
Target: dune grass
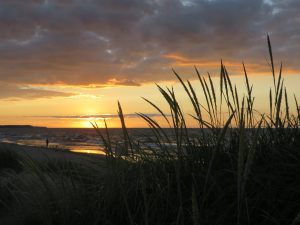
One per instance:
[(10, 160), (239, 167)]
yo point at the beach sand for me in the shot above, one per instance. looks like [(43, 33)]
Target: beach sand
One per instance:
[(49, 154)]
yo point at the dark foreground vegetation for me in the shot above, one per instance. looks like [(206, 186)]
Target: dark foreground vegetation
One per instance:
[(242, 167)]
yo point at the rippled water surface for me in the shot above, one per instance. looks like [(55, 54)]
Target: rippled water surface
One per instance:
[(77, 140)]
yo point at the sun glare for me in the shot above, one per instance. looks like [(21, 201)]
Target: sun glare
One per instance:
[(86, 123)]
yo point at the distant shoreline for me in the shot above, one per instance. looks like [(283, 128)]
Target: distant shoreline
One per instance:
[(20, 126)]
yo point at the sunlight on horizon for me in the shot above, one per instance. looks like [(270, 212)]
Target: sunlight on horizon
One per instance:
[(75, 111)]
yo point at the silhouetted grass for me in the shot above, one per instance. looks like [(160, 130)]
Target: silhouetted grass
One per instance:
[(239, 167), (10, 160)]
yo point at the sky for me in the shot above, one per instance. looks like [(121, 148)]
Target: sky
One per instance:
[(64, 63)]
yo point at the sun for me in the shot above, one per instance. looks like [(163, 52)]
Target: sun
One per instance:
[(86, 123)]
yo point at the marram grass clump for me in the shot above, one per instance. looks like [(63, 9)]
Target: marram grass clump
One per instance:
[(238, 167)]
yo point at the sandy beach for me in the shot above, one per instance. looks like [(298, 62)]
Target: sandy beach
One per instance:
[(45, 154), (46, 176), (31, 156)]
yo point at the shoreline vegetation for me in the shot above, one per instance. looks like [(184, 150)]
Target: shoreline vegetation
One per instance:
[(246, 175)]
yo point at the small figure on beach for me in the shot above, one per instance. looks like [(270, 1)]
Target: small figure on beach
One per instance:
[(47, 142)]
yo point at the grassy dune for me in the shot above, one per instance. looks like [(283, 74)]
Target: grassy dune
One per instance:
[(242, 167)]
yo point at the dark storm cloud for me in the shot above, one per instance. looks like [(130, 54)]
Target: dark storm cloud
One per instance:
[(82, 42)]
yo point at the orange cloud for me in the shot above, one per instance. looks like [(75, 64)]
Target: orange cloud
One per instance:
[(178, 60)]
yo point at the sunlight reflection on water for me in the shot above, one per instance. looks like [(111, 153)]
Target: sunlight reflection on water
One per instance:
[(88, 151)]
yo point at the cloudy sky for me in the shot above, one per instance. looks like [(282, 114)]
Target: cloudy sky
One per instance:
[(77, 57)]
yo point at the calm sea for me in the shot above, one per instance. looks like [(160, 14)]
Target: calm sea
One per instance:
[(83, 140)]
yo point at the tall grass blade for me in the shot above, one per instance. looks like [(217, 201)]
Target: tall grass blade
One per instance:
[(271, 104), (210, 98), (205, 94), (297, 108), (197, 104), (278, 106), (108, 138), (191, 94), (158, 109), (230, 85), (127, 141), (272, 62), (278, 84), (221, 89), (97, 129), (287, 111), (214, 96)]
